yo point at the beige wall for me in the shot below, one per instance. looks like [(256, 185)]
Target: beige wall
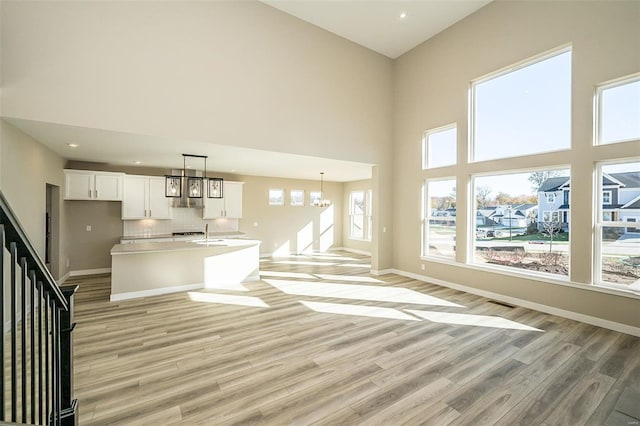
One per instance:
[(26, 167), (292, 226), (91, 249), (360, 245), (432, 83), (235, 73)]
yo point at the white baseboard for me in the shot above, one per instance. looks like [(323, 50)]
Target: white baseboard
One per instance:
[(154, 292), (599, 322), (96, 271)]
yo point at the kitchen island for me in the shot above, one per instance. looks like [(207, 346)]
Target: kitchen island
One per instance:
[(148, 269)]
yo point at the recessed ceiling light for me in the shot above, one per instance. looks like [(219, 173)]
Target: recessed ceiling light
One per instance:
[(233, 170), (403, 15), (72, 145), (137, 162)]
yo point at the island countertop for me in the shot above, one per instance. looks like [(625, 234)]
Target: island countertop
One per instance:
[(154, 268), (223, 245)]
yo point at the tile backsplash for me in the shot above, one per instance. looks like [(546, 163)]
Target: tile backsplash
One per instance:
[(184, 220)]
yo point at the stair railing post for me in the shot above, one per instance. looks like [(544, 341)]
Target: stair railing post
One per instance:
[(69, 414)]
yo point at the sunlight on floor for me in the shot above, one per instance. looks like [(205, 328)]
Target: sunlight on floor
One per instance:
[(358, 292), (474, 320), (287, 275), (227, 299), (357, 310), (222, 286), (298, 262), (352, 278), (356, 265)]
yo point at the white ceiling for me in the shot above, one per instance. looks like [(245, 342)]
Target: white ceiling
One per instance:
[(123, 149), (376, 24), (371, 23)]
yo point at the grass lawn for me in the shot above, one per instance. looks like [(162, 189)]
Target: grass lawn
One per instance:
[(562, 237)]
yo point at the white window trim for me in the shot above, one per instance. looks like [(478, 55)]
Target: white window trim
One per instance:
[(495, 74), (600, 224), (426, 151), (610, 197), (291, 198), (471, 226), (283, 196), (364, 216), (550, 196), (597, 106), (425, 217)]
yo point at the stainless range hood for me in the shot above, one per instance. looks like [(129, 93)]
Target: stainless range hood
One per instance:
[(184, 201)]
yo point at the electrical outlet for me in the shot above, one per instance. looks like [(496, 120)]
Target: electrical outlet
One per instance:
[(88, 228), (384, 229), (422, 266)]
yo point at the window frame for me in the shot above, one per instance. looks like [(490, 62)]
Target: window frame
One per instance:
[(471, 237), (600, 224), (282, 191), (426, 217), (598, 104), (426, 148), (472, 139), (301, 203), (352, 214), (606, 191)]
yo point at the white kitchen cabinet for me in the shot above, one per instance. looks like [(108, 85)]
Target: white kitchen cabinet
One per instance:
[(144, 198), (230, 206), (92, 185)]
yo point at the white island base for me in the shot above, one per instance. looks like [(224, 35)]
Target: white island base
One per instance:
[(149, 269)]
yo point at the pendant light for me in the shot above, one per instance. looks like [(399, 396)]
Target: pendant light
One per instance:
[(321, 202), (195, 185)]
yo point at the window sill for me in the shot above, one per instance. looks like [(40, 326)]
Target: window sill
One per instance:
[(359, 239), (544, 278)]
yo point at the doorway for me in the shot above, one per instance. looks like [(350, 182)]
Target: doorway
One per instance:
[(52, 229)]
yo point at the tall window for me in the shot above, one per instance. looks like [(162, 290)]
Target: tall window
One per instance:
[(517, 224), (360, 215), (369, 225), (439, 219), (439, 147), (618, 106), (524, 110), (618, 228)]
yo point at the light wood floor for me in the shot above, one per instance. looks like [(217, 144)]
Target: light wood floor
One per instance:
[(169, 359)]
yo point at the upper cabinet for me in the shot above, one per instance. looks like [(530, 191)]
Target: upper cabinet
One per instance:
[(144, 198), (90, 185), (230, 206)]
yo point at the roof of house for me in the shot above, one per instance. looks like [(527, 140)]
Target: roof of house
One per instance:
[(629, 179), (633, 204), (552, 184)]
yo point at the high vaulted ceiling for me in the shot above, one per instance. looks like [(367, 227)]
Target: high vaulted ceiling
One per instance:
[(391, 28), (376, 25)]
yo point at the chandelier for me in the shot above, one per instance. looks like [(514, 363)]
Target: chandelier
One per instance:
[(192, 186), (321, 202)]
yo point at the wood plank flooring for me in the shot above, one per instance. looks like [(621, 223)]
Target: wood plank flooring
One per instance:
[(320, 341)]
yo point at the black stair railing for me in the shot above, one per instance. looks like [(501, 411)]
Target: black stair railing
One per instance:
[(36, 349)]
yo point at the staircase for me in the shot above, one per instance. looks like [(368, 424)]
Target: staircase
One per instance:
[(36, 349)]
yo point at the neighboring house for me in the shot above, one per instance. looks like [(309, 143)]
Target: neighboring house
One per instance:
[(620, 200), (516, 216)]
